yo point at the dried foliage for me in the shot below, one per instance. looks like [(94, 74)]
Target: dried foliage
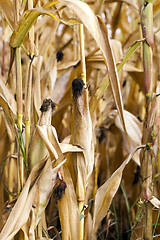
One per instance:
[(79, 119)]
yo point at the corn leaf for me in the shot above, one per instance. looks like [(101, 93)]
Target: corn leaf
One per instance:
[(7, 108), (7, 9), (107, 191), (134, 130)]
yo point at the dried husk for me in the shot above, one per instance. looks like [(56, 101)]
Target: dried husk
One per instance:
[(82, 136), (37, 149), (68, 209)]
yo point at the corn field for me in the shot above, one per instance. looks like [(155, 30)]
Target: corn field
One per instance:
[(79, 119)]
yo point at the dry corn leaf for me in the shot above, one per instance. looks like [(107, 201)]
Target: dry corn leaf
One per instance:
[(50, 140), (46, 37), (8, 95), (133, 4), (136, 74), (7, 108), (10, 128), (104, 83), (96, 61), (56, 149), (134, 130), (25, 230), (65, 65), (36, 87), (51, 69), (117, 50), (7, 9), (44, 187), (107, 191), (70, 148), (47, 84)]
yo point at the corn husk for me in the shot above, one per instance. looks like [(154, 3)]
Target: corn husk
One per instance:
[(82, 136)]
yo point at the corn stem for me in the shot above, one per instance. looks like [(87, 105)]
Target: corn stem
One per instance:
[(80, 207), (19, 93), (147, 31), (82, 52), (29, 86)]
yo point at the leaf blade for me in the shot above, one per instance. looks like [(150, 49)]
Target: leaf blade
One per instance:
[(107, 191)]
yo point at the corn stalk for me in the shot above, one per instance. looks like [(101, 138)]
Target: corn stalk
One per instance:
[(149, 124), (19, 92), (82, 52), (29, 85)]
